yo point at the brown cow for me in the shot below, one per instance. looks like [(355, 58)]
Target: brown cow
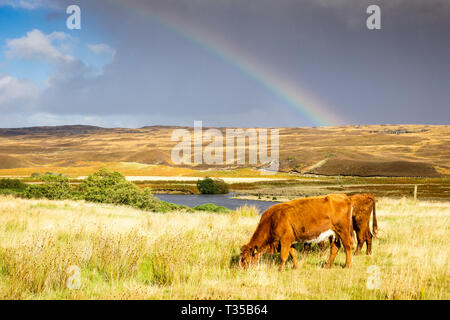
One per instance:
[(363, 206), (309, 219)]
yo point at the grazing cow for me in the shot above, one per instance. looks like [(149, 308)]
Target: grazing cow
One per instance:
[(311, 219), (363, 206)]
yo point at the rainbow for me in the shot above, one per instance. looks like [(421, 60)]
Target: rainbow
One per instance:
[(288, 92)]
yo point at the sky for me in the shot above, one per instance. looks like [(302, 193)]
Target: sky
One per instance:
[(235, 63)]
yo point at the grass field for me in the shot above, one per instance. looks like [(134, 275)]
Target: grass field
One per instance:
[(124, 253)]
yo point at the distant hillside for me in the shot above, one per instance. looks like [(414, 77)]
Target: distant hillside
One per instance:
[(371, 168), (375, 150), (57, 130)]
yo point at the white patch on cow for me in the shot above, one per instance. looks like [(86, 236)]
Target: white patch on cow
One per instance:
[(322, 237)]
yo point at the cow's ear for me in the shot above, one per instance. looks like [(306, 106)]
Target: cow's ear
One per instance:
[(244, 247), (255, 250)]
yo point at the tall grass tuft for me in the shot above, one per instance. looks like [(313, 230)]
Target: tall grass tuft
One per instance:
[(42, 264), (117, 256), (36, 267), (246, 211)]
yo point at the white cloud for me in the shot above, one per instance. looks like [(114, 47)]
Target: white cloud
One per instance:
[(38, 46), (58, 35), (102, 48), (17, 92)]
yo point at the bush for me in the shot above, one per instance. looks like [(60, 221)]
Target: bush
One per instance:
[(54, 187), (106, 186), (163, 206), (212, 186), (103, 186), (12, 184), (211, 207)]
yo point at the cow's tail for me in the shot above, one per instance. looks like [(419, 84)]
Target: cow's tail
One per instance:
[(374, 218)]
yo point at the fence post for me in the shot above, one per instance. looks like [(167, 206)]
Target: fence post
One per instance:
[(415, 192)]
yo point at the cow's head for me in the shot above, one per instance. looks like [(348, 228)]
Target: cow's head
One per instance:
[(249, 255)]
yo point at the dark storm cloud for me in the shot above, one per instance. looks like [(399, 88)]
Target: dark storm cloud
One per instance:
[(399, 74)]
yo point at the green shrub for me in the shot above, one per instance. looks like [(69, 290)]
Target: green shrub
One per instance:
[(53, 187), (211, 207), (103, 186), (12, 184), (106, 186), (12, 192), (212, 186), (163, 206)]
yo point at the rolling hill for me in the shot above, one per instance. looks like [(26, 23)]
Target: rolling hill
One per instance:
[(372, 150)]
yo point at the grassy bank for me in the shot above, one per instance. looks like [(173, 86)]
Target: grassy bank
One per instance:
[(289, 188), (125, 253), (427, 188)]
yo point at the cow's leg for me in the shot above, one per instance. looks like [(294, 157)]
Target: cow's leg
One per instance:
[(293, 253), (360, 237), (369, 242), (347, 242), (284, 253), (307, 247), (334, 248), (275, 247)]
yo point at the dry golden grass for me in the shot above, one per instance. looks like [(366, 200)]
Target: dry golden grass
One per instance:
[(135, 152), (84, 168), (246, 211), (129, 254)]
